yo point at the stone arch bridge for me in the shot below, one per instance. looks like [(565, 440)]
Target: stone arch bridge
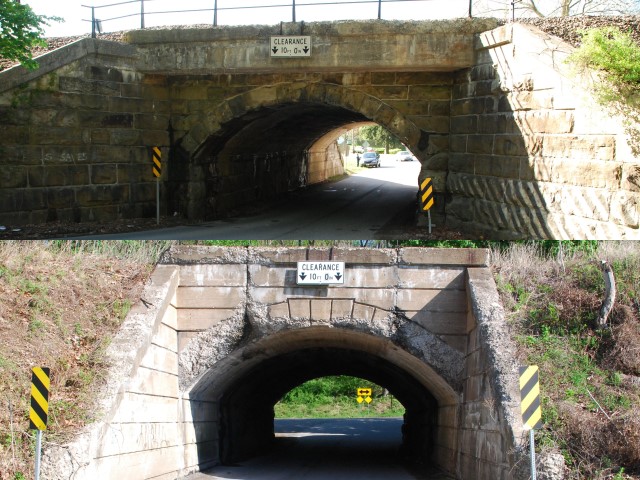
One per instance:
[(515, 146), (224, 333)]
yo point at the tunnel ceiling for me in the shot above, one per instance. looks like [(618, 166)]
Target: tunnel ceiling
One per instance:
[(290, 127)]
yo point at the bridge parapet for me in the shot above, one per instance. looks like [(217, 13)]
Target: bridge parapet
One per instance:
[(348, 46)]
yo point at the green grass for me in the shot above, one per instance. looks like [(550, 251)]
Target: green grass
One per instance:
[(335, 397)]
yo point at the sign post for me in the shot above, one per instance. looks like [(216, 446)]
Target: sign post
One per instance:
[(39, 409), (426, 198), (157, 171), (530, 406)]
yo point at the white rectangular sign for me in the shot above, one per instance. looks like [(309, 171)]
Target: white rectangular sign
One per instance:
[(320, 273), (291, 46)]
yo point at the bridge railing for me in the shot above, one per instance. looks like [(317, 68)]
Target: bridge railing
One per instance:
[(286, 10)]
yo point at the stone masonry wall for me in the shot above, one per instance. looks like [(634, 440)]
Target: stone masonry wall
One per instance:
[(77, 132), (325, 164), (532, 154), (195, 312), (515, 145), (75, 141), (408, 104)]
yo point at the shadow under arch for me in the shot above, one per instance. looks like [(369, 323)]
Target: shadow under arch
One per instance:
[(234, 397), (255, 146)]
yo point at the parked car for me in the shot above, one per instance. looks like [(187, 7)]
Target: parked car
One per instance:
[(404, 156), (370, 159)]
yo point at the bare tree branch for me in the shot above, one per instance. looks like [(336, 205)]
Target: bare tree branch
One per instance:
[(609, 294)]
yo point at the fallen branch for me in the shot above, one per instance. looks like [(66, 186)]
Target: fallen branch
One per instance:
[(609, 294)]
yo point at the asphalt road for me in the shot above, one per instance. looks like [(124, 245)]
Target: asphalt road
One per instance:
[(362, 206), (321, 449)]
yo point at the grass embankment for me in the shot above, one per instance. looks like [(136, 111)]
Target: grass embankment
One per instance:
[(590, 377), (60, 304)]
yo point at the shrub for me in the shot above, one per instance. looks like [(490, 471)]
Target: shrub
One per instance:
[(617, 56), (611, 51)]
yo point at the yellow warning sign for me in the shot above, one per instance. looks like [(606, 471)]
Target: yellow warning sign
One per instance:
[(39, 410), (530, 397), (426, 194), (157, 161), (363, 395)]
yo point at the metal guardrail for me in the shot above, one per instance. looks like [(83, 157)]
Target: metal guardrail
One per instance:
[(96, 23)]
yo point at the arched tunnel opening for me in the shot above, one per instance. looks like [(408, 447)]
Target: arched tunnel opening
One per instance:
[(240, 391), (247, 410), (259, 156)]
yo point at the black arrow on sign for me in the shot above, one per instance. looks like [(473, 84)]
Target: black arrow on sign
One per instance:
[(305, 49), (303, 275), (274, 50), (338, 276)]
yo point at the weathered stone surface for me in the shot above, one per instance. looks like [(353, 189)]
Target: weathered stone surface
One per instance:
[(210, 297), (501, 111), (219, 348), (549, 165)]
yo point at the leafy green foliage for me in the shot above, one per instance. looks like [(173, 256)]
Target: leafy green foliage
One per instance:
[(21, 30), (335, 397), (612, 51), (615, 54), (379, 137)]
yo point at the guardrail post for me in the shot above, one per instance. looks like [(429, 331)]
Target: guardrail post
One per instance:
[(142, 14), (215, 13)]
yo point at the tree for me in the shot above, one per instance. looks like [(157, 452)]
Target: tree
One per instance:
[(378, 136), (20, 31), (556, 8)]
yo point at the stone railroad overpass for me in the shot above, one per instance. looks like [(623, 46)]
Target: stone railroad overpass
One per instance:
[(221, 334), (515, 145)]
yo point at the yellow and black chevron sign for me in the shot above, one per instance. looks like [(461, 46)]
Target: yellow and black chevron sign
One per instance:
[(157, 161), (426, 194), (530, 397), (39, 398)]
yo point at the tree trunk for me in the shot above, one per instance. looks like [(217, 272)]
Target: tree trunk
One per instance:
[(609, 294)]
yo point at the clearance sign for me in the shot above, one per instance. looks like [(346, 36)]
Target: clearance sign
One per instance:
[(320, 273)]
